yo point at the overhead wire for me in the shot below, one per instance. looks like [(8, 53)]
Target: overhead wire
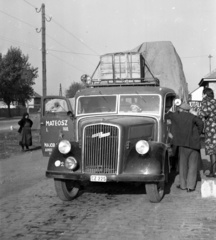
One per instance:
[(81, 41), (17, 19), (62, 27), (34, 47), (70, 51), (196, 56), (76, 53), (30, 4), (15, 41), (67, 62)]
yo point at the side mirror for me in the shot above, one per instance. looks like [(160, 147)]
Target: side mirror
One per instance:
[(71, 114)]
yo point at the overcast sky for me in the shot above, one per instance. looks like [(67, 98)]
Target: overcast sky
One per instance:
[(82, 30)]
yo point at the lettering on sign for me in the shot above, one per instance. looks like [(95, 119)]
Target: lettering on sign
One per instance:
[(57, 123), (49, 145), (48, 149), (65, 129)]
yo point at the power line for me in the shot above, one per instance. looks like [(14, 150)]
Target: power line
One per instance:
[(15, 41), (71, 52), (62, 27), (30, 4), (82, 42), (196, 56), (47, 35), (66, 62), (17, 19), (76, 53), (64, 45)]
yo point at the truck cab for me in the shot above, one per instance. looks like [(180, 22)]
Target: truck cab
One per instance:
[(118, 134)]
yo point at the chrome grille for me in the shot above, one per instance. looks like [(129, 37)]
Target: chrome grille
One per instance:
[(100, 149)]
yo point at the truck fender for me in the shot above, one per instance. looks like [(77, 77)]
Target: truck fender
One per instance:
[(153, 162), (57, 156)]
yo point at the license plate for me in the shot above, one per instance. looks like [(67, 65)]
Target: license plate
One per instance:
[(98, 178)]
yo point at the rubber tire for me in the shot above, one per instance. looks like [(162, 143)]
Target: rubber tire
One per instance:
[(155, 191), (66, 190)]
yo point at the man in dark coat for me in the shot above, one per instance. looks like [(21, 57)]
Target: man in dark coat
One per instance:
[(186, 130)]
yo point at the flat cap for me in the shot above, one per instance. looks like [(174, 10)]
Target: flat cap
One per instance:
[(185, 106)]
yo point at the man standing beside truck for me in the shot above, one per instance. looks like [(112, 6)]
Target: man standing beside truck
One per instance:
[(187, 129)]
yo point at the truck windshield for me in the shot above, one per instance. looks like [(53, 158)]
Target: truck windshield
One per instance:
[(96, 104), (128, 104), (139, 103)]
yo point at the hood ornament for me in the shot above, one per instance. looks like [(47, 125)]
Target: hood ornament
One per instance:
[(101, 135)]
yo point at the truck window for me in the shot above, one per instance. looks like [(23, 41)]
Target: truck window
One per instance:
[(96, 104), (139, 103), (53, 106)]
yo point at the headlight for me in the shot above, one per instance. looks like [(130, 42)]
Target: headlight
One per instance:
[(142, 147), (71, 163), (64, 147)]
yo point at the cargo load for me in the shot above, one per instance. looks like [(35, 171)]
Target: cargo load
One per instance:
[(150, 59)]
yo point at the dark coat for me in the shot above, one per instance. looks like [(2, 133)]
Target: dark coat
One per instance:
[(22, 123), (186, 129)]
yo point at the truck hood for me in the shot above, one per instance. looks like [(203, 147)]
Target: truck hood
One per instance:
[(132, 126)]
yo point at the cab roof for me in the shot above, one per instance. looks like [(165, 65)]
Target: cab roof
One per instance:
[(125, 90)]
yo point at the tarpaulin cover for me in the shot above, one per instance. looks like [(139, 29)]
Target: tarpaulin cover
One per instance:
[(165, 64)]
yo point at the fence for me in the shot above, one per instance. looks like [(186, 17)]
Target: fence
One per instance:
[(16, 111)]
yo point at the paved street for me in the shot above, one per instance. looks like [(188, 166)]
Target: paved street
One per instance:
[(30, 209)]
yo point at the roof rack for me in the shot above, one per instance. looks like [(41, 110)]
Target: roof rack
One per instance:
[(125, 82)]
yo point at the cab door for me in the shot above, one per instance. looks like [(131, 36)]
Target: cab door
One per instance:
[(56, 123)]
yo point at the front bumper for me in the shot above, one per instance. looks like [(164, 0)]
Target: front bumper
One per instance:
[(110, 178)]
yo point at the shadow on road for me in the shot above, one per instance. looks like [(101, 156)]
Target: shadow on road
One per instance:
[(114, 188), (172, 177), (33, 149)]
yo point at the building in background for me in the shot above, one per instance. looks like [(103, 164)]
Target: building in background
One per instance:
[(16, 109), (35, 102)]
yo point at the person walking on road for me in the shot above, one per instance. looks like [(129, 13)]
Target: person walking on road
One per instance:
[(25, 131), (186, 130), (207, 113)]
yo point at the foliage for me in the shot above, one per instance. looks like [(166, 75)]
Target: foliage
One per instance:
[(16, 77), (74, 87)]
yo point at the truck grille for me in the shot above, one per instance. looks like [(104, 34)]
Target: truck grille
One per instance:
[(100, 149)]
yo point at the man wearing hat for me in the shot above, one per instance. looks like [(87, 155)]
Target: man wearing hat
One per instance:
[(186, 130)]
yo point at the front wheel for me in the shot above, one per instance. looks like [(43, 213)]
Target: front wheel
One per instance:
[(155, 191), (66, 190)]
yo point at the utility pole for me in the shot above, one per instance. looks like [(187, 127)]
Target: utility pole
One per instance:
[(43, 34), (210, 56), (60, 90)]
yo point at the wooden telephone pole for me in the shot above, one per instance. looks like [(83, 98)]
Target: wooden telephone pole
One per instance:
[(43, 34), (60, 90), (210, 56)]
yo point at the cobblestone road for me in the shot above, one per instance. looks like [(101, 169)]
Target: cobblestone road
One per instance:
[(104, 212)]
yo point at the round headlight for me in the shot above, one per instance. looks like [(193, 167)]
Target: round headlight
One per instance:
[(142, 147), (64, 147), (71, 163)]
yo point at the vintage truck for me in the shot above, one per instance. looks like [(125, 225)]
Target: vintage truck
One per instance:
[(117, 133)]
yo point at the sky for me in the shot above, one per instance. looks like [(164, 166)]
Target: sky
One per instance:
[(79, 31)]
